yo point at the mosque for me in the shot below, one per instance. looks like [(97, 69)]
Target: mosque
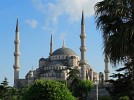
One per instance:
[(59, 63)]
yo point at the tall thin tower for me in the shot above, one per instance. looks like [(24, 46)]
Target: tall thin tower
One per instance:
[(51, 45), (63, 46), (83, 49), (106, 68), (16, 65)]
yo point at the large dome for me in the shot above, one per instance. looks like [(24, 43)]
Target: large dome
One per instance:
[(63, 51)]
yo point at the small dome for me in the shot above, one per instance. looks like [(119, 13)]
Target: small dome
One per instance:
[(42, 59), (63, 51)]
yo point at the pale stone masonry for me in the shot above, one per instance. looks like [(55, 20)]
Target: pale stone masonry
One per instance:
[(83, 49), (16, 65)]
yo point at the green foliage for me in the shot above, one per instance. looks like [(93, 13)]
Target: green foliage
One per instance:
[(6, 92), (62, 81), (73, 74), (116, 20), (80, 88), (22, 91), (5, 83), (47, 90), (86, 85), (105, 98), (121, 85), (124, 98)]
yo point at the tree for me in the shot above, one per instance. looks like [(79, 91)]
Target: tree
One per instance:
[(4, 90), (84, 87), (116, 20), (120, 83), (7, 92), (14, 94), (80, 88), (24, 90), (120, 87), (47, 90), (73, 74), (5, 83)]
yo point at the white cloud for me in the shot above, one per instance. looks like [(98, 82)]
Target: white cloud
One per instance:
[(52, 10), (39, 5), (32, 23), (72, 8)]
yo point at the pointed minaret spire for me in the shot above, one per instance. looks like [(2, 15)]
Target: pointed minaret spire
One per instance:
[(82, 24), (51, 45), (83, 49), (17, 26), (16, 65), (32, 67), (63, 46), (82, 19)]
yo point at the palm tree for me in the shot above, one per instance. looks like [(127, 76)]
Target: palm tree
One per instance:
[(116, 20)]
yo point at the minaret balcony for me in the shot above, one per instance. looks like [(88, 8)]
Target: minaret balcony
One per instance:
[(16, 67), (82, 36), (83, 48), (17, 41), (83, 62), (17, 54)]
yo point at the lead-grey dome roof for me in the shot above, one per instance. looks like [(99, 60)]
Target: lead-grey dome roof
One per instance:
[(63, 51), (42, 59)]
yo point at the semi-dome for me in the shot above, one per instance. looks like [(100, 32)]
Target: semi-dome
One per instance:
[(63, 51)]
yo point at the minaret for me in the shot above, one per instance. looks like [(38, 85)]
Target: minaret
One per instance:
[(106, 68), (63, 46), (83, 49), (16, 65), (51, 45)]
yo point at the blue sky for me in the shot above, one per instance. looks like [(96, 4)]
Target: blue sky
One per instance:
[(37, 20)]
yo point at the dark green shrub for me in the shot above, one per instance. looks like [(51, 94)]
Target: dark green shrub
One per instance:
[(48, 90)]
